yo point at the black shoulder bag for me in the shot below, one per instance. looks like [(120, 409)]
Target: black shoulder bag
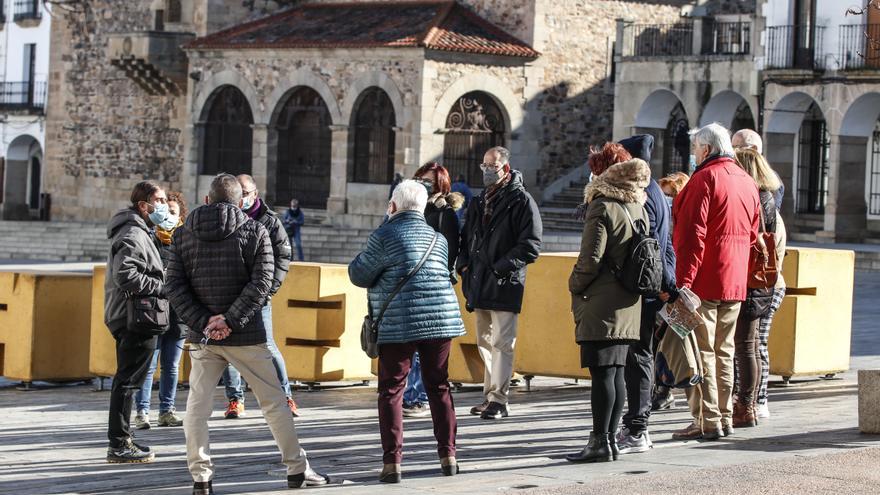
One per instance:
[(370, 327), (147, 315)]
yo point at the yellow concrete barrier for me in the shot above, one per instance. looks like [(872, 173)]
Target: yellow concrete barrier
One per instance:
[(316, 317), (811, 331), (465, 364), (546, 344), (102, 346), (44, 325)]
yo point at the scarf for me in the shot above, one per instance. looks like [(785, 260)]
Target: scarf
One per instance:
[(254, 210), (165, 236), (492, 192)]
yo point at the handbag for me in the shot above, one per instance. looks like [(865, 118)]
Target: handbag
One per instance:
[(370, 326), (147, 315), (763, 265), (677, 362)]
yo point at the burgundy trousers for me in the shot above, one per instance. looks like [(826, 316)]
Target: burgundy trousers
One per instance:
[(394, 365)]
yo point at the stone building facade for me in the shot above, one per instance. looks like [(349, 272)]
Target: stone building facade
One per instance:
[(110, 125)]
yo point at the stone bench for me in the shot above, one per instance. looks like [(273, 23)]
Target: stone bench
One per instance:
[(869, 401)]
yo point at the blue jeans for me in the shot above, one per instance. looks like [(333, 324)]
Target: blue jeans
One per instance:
[(296, 240), (415, 390), (169, 349), (232, 378)]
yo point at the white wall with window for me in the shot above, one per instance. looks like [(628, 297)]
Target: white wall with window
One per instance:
[(24, 68)]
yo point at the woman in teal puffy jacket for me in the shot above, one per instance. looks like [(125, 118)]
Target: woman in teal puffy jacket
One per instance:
[(424, 316)]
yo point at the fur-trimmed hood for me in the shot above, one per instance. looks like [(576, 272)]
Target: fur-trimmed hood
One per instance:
[(453, 199), (625, 181)]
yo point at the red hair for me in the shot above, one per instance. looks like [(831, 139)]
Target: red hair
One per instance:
[(608, 155), (442, 185)]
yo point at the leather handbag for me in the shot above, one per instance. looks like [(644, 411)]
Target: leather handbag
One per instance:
[(370, 327), (147, 315), (763, 265)]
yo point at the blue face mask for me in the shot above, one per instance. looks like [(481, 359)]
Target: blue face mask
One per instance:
[(247, 203), (170, 222), (159, 213), (668, 200), (692, 162)]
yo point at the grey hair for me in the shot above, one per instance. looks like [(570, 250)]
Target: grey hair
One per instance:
[(750, 139), (715, 136), (503, 154), (225, 189), (410, 195), (247, 179)]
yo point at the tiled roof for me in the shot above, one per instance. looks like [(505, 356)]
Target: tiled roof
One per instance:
[(435, 24)]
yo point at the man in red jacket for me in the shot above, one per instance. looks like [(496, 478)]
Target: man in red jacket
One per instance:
[(716, 221)]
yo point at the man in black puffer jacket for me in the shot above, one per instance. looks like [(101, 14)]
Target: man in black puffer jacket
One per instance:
[(219, 277), (502, 235), (639, 373), (257, 209)]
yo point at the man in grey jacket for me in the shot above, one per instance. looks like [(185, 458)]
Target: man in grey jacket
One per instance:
[(219, 277), (134, 267)]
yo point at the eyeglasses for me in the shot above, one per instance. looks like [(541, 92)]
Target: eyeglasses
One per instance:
[(248, 193), (490, 166)]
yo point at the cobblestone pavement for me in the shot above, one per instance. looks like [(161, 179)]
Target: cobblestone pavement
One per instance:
[(53, 440)]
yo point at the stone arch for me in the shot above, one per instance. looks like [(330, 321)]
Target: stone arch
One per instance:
[(226, 133), (207, 89), (724, 107), (22, 177), (861, 116), (510, 104), (373, 137), (296, 79), (788, 113), (656, 109), (366, 81)]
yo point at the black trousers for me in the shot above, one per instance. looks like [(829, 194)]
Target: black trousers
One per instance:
[(639, 373), (133, 355)]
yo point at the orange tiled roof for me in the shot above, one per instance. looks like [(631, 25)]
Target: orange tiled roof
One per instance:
[(434, 24)]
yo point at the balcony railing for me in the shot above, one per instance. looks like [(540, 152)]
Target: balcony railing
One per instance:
[(859, 46), (727, 38), (27, 9), (26, 96), (795, 47), (649, 40)]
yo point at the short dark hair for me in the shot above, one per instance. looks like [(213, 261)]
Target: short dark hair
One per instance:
[(225, 189), (143, 191)]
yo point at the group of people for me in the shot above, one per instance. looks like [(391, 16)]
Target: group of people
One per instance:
[(220, 266)]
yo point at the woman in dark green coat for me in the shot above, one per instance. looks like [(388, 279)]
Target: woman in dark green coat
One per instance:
[(607, 316)]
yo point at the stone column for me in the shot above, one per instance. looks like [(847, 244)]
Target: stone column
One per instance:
[(697, 36), (338, 171), (259, 161), (846, 210), (779, 149)]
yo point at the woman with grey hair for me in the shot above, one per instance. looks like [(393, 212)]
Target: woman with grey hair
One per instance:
[(405, 269)]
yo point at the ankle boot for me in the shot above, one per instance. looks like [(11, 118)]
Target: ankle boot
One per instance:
[(449, 466), (744, 415), (390, 474), (612, 443), (598, 450)]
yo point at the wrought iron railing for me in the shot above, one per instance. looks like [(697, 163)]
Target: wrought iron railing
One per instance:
[(727, 38), (25, 95), (795, 47), (27, 9), (648, 40), (859, 46)]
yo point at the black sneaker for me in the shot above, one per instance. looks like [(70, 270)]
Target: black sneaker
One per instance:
[(495, 410), (663, 399), (308, 478), (129, 453), (203, 488), (478, 410)]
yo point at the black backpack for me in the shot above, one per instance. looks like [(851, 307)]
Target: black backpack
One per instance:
[(642, 270)]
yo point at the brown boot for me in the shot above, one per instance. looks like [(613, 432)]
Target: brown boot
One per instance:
[(744, 416)]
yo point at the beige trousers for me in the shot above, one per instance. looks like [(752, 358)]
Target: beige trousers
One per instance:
[(711, 403), (496, 339), (255, 364)]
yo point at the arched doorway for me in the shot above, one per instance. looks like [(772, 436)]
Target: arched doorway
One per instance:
[(729, 109), (374, 138), (22, 175), (814, 144), (302, 165), (227, 136), (663, 116), (474, 124), (743, 118)]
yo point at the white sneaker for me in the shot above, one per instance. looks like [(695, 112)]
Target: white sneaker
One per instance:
[(142, 420), (762, 411), (634, 445)]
